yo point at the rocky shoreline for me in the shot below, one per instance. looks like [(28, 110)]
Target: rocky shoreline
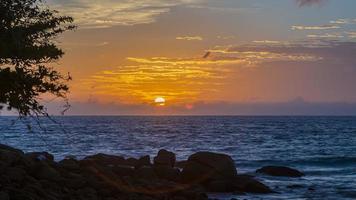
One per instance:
[(36, 176)]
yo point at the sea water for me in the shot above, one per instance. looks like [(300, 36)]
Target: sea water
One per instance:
[(324, 148)]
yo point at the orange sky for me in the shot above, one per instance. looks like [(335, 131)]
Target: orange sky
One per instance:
[(129, 53)]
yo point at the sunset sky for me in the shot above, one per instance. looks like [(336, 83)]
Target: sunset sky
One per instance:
[(210, 56)]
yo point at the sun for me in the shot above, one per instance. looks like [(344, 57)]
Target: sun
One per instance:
[(160, 101)]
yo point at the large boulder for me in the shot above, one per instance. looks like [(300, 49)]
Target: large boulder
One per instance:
[(248, 184), (280, 171), (105, 160), (207, 166), (167, 173), (165, 158), (143, 161), (40, 156)]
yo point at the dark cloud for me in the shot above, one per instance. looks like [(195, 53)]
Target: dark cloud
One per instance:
[(293, 107), (329, 51), (302, 3)]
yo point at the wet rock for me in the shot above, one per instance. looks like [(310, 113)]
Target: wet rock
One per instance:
[(10, 157), (207, 166), (123, 170), (8, 148), (167, 173), (165, 157), (248, 184), (15, 174), (46, 172), (180, 164), (40, 156), (87, 194), (69, 164), (4, 196), (280, 171), (143, 161), (145, 173), (132, 162), (106, 160)]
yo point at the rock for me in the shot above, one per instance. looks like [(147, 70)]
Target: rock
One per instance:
[(87, 193), (46, 172), (106, 160), (40, 156), (131, 162), (280, 171), (248, 184), (165, 157), (123, 170), (4, 196), (8, 148), (10, 157), (69, 164), (206, 166), (167, 173), (16, 174), (143, 161), (145, 173), (180, 164)]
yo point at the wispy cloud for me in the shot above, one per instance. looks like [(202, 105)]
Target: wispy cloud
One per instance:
[(323, 27), (326, 35), (177, 80), (302, 3), (351, 34), (108, 13), (190, 38)]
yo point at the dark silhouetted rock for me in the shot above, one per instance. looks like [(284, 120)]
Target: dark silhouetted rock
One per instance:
[(165, 157), (280, 171), (69, 164), (46, 172), (206, 166), (8, 148), (180, 164), (4, 196), (132, 162), (106, 160), (167, 173), (143, 161), (248, 184), (40, 156), (15, 174), (145, 172), (123, 170)]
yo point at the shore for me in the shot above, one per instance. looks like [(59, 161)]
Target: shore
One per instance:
[(37, 176)]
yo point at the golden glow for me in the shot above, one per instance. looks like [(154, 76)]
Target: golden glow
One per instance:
[(181, 80), (160, 101)]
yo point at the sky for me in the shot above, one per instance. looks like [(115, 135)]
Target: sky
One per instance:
[(234, 57)]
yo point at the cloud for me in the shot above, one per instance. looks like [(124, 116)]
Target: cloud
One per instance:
[(323, 27), (330, 52), (108, 13), (302, 3), (190, 38), (292, 107), (174, 79), (326, 36), (267, 42), (181, 79), (351, 35), (226, 37)]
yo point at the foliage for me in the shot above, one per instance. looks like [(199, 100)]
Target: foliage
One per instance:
[(27, 47)]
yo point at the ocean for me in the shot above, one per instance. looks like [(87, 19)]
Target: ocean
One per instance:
[(324, 148)]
